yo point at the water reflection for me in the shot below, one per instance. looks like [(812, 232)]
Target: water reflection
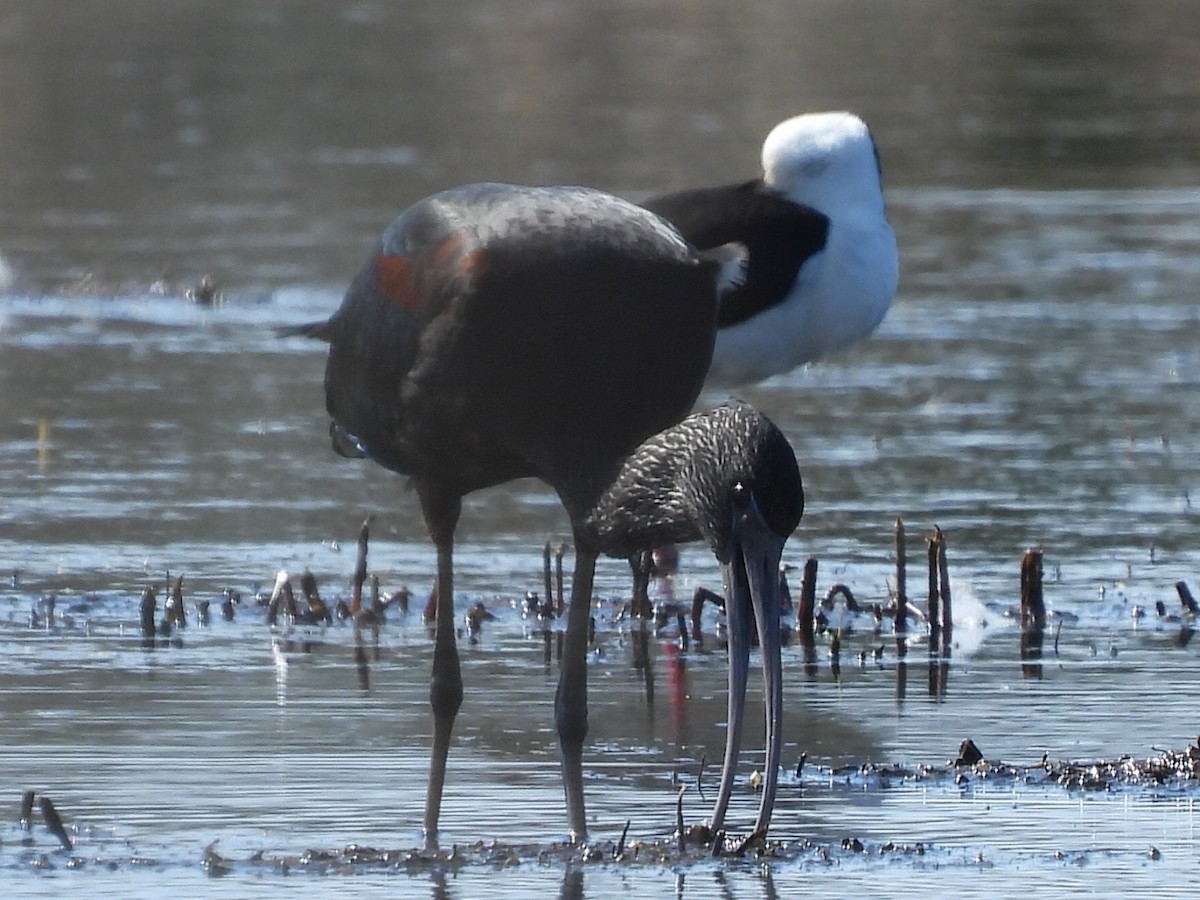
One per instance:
[(572, 884), (639, 637), (901, 671), (237, 141), (362, 662), (279, 655), (1031, 652)]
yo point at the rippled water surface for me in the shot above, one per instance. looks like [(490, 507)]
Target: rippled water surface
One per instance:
[(1035, 384)]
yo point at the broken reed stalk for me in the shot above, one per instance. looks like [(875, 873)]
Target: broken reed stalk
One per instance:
[(944, 585), (559, 605), (1033, 604), (940, 616), (546, 584), (1033, 614), (54, 823), (360, 566), (148, 608), (176, 615), (26, 818), (901, 624), (679, 830), (1186, 598), (806, 610), (935, 612), (852, 604), (620, 851)]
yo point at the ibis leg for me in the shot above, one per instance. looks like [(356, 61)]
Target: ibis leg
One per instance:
[(446, 686), (570, 702)]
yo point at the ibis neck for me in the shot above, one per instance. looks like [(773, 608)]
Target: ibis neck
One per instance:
[(647, 503)]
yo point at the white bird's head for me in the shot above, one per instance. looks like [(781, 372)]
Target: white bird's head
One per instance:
[(824, 160)]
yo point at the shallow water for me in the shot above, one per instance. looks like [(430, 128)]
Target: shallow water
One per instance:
[(1035, 384)]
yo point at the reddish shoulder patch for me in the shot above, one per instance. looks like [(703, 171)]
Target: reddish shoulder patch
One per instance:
[(471, 264), (447, 249), (394, 280), (452, 258)]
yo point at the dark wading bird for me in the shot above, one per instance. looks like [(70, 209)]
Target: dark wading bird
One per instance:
[(815, 260), (498, 332)]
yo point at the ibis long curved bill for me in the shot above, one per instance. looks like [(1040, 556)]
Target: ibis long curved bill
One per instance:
[(751, 578)]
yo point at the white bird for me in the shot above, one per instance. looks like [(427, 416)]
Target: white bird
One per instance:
[(813, 257)]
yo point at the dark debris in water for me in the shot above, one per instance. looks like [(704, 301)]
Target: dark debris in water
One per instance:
[(657, 852), (1169, 769), (693, 848)]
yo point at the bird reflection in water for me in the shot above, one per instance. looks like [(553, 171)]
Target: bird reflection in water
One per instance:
[(367, 620), (639, 640)]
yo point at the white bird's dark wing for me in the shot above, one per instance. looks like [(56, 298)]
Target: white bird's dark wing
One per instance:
[(778, 234)]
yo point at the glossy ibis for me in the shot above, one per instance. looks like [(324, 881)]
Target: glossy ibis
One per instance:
[(497, 332), (817, 258)]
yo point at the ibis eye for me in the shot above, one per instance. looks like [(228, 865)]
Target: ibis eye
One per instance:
[(741, 495)]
